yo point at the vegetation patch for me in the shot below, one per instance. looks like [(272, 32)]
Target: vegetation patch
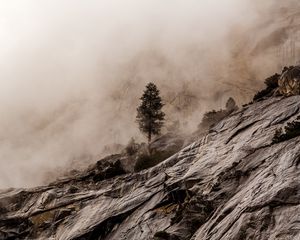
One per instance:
[(132, 147), (106, 170), (213, 117), (163, 235), (291, 130), (146, 160), (271, 85)]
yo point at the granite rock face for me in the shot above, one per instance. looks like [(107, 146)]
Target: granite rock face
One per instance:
[(231, 184)]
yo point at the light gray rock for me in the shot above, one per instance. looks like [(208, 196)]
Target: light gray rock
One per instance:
[(231, 184)]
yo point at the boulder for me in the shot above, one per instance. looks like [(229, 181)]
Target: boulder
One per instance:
[(289, 82)]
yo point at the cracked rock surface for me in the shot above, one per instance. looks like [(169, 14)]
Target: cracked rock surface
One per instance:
[(231, 184)]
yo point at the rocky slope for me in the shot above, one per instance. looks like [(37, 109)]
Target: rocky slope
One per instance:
[(231, 184)]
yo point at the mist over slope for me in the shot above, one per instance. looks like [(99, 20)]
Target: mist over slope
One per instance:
[(233, 183), (71, 74)]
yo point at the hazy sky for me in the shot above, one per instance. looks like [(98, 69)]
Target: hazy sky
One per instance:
[(71, 72)]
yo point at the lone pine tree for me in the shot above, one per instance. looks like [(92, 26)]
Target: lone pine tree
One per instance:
[(150, 116)]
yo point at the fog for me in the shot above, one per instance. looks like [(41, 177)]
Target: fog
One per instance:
[(72, 72)]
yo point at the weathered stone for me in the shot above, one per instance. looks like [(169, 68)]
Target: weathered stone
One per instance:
[(231, 184)]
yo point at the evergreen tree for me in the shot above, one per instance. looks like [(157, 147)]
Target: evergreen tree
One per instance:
[(149, 114), (231, 105)]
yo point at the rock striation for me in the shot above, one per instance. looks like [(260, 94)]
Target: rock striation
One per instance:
[(231, 184)]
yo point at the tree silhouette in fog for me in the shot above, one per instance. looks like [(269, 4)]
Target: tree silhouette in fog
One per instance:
[(150, 116)]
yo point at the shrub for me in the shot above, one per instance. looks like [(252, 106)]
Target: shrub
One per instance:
[(271, 85), (272, 82), (277, 136), (263, 93), (132, 147), (146, 160), (213, 117), (231, 105), (291, 130), (162, 235), (106, 170)]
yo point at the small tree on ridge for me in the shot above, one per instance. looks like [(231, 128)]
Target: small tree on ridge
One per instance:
[(150, 117)]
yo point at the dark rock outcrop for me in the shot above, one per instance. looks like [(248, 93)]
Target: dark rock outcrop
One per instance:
[(289, 82)]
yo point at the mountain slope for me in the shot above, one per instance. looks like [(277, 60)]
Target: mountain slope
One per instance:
[(231, 184)]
